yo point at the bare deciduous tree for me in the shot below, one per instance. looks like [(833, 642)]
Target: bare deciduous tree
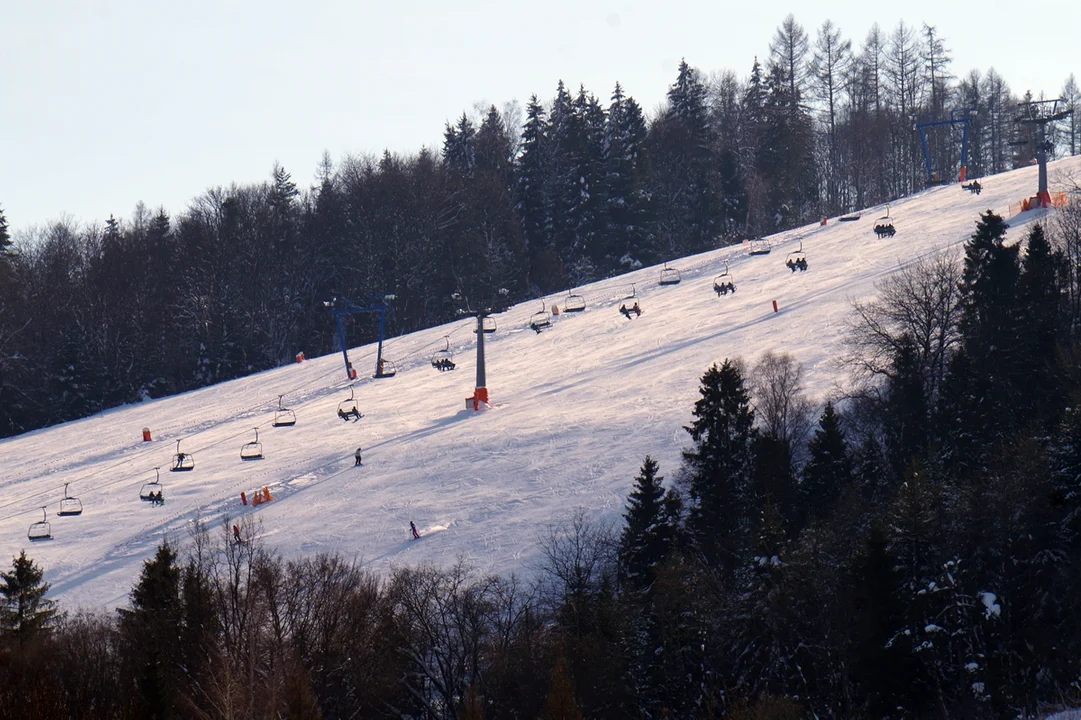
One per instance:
[(780, 405), (922, 301)]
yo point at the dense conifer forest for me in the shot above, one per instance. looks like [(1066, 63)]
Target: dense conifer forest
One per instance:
[(564, 191)]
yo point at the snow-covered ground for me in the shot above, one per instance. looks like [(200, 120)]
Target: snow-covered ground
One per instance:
[(576, 408)]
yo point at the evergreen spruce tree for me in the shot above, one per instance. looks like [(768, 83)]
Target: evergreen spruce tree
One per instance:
[(786, 153), (6, 245), (151, 631), (684, 180), (885, 668), (871, 469), (25, 614), (965, 418), (587, 190), (773, 479), (564, 133), (532, 195), (649, 533), (720, 466), (989, 286), (493, 147), (905, 416), (458, 146), (829, 470), (1040, 322), (629, 237)]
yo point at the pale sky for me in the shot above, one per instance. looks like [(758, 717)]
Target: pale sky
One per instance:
[(105, 103)]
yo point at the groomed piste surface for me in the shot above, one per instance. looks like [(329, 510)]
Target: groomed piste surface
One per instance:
[(575, 410)]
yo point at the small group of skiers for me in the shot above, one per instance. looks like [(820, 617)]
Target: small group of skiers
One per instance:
[(885, 230), (632, 309), (795, 264), (443, 364), (352, 412), (724, 288), (156, 498), (974, 187)]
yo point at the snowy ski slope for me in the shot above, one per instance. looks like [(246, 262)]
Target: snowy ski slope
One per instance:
[(575, 410)]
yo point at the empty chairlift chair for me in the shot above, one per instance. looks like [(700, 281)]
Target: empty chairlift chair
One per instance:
[(443, 360), (723, 283), (283, 416), (40, 530), (348, 409), (540, 319), (252, 450), (669, 276), (70, 505), (385, 368), (488, 324), (758, 246), (182, 462), (574, 303), (152, 489)]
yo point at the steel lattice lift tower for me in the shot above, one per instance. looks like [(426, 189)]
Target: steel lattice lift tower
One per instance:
[(1038, 113)]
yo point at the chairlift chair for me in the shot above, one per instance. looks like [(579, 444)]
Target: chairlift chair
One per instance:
[(348, 408), (635, 308), (885, 230), (252, 450), (150, 489), (385, 369), (669, 276), (40, 530), (443, 360), (69, 505), (182, 462), (540, 319), (487, 324), (722, 284), (758, 246), (574, 303), (796, 260), (283, 416)]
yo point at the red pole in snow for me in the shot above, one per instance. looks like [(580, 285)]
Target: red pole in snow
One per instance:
[(774, 306)]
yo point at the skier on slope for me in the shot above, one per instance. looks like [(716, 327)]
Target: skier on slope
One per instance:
[(356, 455), (413, 529), (236, 533)]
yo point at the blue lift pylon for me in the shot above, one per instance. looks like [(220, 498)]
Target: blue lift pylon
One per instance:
[(340, 307)]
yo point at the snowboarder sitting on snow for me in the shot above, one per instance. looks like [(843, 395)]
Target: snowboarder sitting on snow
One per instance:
[(351, 413), (357, 456), (413, 529)]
